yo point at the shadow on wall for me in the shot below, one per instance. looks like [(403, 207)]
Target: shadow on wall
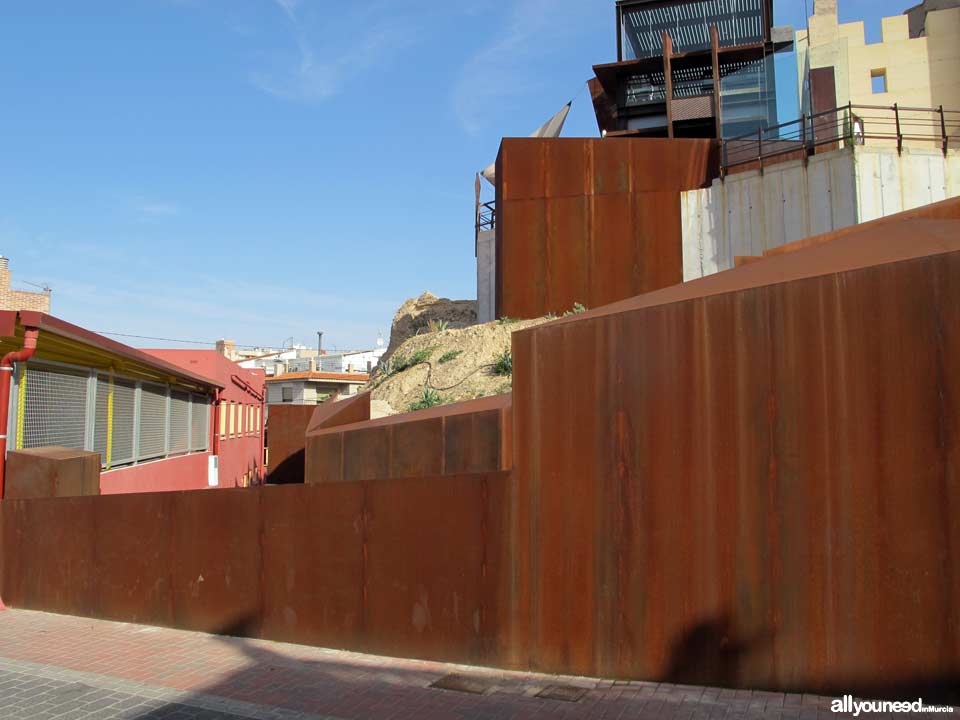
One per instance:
[(289, 471), (341, 686), (710, 653)]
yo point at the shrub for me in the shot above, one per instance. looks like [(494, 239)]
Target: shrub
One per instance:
[(506, 320), (575, 310), (504, 363), (437, 326), (449, 355), (428, 399), (399, 363)]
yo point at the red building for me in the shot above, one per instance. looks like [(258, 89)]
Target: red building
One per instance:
[(238, 425), (159, 420)]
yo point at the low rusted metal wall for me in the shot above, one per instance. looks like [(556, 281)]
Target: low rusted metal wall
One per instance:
[(398, 567), (471, 436), (749, 480), (591, 221)]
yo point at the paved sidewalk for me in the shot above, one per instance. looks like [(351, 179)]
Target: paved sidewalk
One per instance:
[(69, 668)]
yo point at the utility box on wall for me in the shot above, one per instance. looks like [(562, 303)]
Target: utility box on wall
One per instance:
[(51, 472)]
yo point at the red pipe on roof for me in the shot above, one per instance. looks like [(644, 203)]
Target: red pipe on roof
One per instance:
[(6, 375)]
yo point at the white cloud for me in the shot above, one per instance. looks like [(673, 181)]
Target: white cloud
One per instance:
[(517, 61), (289, 7), (320, 69)]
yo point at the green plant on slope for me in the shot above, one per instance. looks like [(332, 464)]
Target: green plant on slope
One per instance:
[(449, 355), (437, 326), (428, 399), (503, 365), (399, 363), (576, 310)]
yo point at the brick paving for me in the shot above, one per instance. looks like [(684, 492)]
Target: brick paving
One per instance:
[(59, 667)]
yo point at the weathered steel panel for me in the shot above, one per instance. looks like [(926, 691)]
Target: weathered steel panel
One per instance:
[(551, 226), (51, 472), (408, 567), (426, 591), (215, 546), (417, 448), (751, 480), (324, 458), (472, 442), (286, 440), (313, 578), (48, 544), (134, 559), (366, 454), (461, 437), (343, 412)]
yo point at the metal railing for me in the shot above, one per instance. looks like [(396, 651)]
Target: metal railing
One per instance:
[(486, 216), (846, 126)]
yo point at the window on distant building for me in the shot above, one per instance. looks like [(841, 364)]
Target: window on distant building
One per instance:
[(233, 419), (223, 418), (286, 393), (878, 81)]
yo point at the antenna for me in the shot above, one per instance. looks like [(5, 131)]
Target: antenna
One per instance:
[(46, 288)]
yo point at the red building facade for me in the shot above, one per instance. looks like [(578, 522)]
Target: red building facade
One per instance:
[(158, 420), (238, 417)]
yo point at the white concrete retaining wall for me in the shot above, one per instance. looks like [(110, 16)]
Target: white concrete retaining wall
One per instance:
[(751, 212), (486, 275)]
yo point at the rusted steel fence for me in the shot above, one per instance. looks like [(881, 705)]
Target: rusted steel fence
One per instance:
[(399, 567), (470, 436)]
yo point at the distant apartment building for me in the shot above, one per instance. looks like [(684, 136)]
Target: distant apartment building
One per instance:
[(11, 299), (312, 387), (363, 361)]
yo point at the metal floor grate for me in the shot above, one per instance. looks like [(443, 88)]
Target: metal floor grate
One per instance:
[(463, 683), (566, 693)]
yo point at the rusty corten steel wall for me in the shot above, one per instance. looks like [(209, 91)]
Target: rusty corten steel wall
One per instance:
[(470, 436), (402, 567), (286, 440), (591, 220), (760, 486)]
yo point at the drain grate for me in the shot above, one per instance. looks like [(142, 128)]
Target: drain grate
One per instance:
[(462, 683), (567, 693)]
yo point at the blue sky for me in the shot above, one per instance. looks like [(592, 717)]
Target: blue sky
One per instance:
[(262, 169)]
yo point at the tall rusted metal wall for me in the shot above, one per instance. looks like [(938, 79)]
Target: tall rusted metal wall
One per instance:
[(398, 567), (591, 221), (750, 480)]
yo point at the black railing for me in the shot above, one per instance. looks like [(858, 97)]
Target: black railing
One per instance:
[(844, 126), (486, 216)]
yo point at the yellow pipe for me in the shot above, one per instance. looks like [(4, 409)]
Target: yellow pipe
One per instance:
[(21, 404), (109, 424)]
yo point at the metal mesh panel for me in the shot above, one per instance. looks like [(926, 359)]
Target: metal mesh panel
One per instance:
[(153, 421), (179, 421), (54, 408), (124, 407), (199, 423)]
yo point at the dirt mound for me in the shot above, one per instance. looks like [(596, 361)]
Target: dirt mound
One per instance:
[(435, 368), (416, 315)]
